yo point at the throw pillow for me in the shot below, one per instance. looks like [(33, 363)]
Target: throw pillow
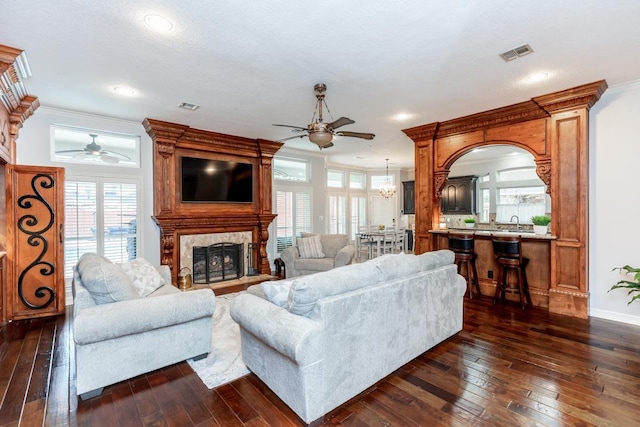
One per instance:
[(277, 291), (144, 276), (105, 281), (310, 247)]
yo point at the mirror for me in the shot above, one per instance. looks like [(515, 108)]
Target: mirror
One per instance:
[(507, 183)]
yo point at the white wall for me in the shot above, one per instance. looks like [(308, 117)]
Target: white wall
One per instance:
[(614, 199), (33, 148)]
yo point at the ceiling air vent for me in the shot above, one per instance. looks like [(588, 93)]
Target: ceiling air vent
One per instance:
[(188, 106), (516, 52)]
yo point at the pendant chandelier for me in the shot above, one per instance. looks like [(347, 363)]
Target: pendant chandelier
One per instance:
[(388, 190)]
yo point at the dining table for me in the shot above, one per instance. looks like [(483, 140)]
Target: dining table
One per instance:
[(377, 236)]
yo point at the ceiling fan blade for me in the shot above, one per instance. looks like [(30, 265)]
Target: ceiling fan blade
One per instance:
[(342, 121), (292, 137), (108, 159), (116, 155), (294, 128), (70, 151), (356, 134)]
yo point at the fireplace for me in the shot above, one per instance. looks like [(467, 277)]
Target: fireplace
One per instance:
[(218, 262)]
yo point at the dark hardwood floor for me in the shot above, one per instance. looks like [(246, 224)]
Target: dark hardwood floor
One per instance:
[(508, 367)]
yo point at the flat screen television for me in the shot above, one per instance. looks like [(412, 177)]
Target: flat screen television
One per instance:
[(207, 181)]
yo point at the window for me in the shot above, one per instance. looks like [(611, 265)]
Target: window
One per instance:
[(524, 202), (294, 216), (379, 181), (101, 215), (75, 145), (519, 174), (291, 170), (484, 178), (337, 214), (358, 215), (335, 179), (357, 181), (521, 193), (484, 204)]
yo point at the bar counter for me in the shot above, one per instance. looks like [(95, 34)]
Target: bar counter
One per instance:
[(536, 247)]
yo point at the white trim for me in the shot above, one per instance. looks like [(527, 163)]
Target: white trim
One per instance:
[(614, 316)]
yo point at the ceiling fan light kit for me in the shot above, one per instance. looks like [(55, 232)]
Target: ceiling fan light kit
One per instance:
[(321, 133)]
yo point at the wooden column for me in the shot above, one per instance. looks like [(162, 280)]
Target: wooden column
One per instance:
[(569, 136)]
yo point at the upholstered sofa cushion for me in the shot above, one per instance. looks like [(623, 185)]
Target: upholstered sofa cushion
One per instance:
[(393, 266), (435, 259), (307, 290), (331, 243), (143, 274), (321, 264), (105, 281)]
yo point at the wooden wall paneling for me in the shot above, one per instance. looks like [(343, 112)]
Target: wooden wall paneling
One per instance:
[(35, 258), (562, 163), (175, 219)]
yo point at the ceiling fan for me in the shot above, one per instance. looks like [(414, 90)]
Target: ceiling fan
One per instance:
[(321, 133), (93, 150)]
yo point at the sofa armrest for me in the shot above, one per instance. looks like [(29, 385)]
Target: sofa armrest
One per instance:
[(288, 255), (345, 256), (296, 337), (107, 321)]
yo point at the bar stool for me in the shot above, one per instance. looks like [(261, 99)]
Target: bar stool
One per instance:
[(508, 255), (462, 246)]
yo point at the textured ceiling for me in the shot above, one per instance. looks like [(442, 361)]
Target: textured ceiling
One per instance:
[(250, 64)]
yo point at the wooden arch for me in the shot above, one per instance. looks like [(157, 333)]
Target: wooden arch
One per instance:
[(554, 128)]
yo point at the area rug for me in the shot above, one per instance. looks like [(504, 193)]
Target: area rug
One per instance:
[(224, 364)]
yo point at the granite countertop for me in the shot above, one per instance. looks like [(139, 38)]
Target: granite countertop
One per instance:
[(480, 232)]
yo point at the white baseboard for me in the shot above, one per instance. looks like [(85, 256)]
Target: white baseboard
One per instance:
[(615, 316)]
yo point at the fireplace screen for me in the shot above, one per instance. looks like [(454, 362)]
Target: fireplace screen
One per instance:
[(217, 262)]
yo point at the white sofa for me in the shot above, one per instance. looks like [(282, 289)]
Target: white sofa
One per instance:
[(319, 340), (118, 334), (336, 250)]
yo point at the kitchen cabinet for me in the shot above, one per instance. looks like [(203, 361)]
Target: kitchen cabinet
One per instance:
[(409, 197), (459, 196)]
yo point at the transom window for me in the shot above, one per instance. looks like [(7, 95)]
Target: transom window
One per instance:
[(379, 181), (357, 180), (335, 179), (291, 169), (76, 145)]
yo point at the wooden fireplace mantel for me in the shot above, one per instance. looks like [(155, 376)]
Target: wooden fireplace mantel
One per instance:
[(176, 218)]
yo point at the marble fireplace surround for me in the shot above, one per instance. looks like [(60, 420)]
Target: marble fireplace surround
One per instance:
[(187, 242)]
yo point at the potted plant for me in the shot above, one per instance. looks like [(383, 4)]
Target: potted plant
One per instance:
[(540, 223), (470, 222), (633, 284)]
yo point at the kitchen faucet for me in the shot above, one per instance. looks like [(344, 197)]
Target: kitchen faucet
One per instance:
[(517, 221)]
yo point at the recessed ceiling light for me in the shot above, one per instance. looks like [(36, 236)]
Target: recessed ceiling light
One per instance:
[(158, 23), (124, 91), (402, 116), (536, 77)]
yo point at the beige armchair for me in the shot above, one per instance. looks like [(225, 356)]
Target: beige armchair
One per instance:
[(336, 252)]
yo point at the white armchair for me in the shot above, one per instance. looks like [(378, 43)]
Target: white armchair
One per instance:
[(336, 250)]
